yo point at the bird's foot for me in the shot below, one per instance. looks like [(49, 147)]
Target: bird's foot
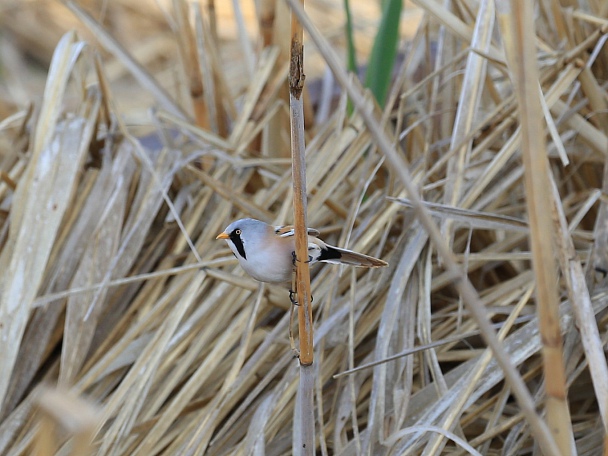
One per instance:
[(294, 258), (293, 297)]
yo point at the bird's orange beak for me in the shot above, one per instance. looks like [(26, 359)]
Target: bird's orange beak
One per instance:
[(223, 236)]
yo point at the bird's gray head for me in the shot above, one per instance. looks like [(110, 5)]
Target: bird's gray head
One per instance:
[(242, 234)]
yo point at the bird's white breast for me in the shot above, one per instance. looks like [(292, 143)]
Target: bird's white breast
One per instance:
[(271, 264)]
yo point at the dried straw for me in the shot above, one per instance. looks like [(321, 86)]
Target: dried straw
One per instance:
[(114, 288)]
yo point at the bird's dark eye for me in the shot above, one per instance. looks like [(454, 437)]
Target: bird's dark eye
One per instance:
[(237, 232)]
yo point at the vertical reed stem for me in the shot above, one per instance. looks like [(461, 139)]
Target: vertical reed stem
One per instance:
[(518, 28), (298, 162), (296, 83)]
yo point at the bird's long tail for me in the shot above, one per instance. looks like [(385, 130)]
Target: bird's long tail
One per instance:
[(342, 256)]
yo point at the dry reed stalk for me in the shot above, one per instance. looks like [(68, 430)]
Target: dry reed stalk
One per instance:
[(304, 420), (518, 29), (468, 105), (138, 72), (61, 411), (222, 96), (275, 29), (41, 209), (174, 350), (190, 60)]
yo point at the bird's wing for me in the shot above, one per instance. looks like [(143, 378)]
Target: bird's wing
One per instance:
[(289, 230), (320, 251)]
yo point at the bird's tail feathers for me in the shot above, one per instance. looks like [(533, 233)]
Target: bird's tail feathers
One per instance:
[(342, 256)]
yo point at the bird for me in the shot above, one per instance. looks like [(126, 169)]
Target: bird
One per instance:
[(267, 253)]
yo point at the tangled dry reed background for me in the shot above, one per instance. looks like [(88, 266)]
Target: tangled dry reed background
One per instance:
[(123, 321)]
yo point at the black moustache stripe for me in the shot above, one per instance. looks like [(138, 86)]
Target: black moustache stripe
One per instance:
[(238, 243)]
